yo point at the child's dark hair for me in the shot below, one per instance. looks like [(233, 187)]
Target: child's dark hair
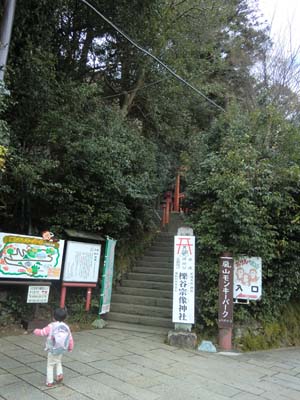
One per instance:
[(60, 314)]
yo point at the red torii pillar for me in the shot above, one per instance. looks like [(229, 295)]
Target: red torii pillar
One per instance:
[(168, 206), (164, 206), (177, 193)]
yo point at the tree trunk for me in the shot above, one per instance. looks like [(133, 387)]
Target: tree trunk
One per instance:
[(129, 96)]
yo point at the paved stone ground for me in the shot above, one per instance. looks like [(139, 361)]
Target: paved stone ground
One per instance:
[(122, 362)]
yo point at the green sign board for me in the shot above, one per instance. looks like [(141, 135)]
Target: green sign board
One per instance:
[(107, 276)]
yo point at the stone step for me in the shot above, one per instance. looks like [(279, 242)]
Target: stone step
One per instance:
[(155, 264), (161, 254), (150, 277), (145, 295), (141, 300), (137, 309), (124, 326), (147, 285), (140, 319), (163, 237), (154, 270), (154, 258), (176, 221), (163, 245), (161, 294)]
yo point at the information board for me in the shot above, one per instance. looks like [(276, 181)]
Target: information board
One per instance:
[(38, 294), (82, 262), (30, 257)]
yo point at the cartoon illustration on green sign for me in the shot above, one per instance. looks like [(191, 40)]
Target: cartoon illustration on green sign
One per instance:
[(30, 257)]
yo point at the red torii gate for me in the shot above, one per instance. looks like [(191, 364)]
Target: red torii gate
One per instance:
[(171, 204)]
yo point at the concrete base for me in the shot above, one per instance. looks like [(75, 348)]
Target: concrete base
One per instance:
[(183, 327), (182, 339)]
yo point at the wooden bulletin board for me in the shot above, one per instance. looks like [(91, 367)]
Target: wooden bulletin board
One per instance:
[(82, 262)]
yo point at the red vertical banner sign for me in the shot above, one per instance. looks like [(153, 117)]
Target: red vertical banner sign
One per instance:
[(225, 319)]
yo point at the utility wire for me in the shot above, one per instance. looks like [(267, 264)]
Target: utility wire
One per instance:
[(154, 57), (137, 90), (133, 90)]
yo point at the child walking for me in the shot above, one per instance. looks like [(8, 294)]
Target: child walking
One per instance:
[(59, 341)]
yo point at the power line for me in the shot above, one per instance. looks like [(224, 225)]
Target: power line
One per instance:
[(133, 90), (154, 57)]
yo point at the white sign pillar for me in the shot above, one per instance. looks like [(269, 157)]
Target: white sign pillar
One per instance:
[(184, 280)]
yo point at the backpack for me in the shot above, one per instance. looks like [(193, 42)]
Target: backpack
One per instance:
[(59, 338)]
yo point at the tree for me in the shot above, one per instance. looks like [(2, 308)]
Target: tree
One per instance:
[(4, 131), (278, 77), (243, 180)]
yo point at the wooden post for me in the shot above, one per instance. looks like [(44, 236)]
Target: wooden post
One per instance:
[(89, 287), (88, 299), (63, 294), (225, 320)]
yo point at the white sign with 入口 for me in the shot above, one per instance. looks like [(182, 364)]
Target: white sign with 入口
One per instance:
[(247, 278)]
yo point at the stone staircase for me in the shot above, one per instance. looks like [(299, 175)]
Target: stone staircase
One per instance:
[(145, 294)]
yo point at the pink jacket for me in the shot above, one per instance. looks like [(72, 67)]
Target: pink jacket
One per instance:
[(46, 332)]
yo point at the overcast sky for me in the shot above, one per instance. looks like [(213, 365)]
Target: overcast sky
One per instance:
[(284, 15)]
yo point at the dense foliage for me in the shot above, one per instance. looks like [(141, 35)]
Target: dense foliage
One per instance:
[(97, 130), (244, 180)]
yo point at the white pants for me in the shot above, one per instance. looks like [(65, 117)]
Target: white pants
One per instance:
[(52, 361)]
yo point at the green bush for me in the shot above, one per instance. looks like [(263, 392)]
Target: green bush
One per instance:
[(281, 332), (244, 192)]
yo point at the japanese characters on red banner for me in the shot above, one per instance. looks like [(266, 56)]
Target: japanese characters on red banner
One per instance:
[(184, 280), (247, 278), (225, 292)]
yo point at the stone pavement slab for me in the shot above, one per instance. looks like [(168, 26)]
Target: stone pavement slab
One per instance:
[(132, 362)]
